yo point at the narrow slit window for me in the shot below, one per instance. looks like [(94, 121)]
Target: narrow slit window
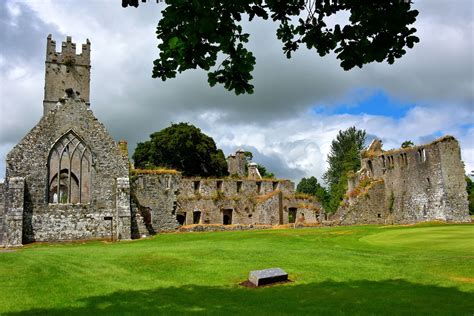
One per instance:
[(239, 186), (197, 187), (259, 187)]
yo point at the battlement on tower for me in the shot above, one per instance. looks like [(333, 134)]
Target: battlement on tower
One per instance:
[(68, 54), (66, 70)]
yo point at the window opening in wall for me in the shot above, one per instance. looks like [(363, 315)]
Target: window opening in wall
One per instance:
[(371, 168), (405, 158), (219, 185), (383, 161), (421, 155), (111, 225), (181, 218), (275, 185), (175, 206), (428, 181), (227, 216), (259, 187), (197, 186), (196, 217), (239, 186), (250, 215), (69, 171), (292, 214), (379, 215)]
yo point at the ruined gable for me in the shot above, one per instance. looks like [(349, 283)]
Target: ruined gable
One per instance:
[(66, 179), (420, 183)]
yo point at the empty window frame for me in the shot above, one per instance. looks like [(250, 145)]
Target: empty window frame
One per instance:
[(275, 185), (239, 186), (69, 171), (259, 187), (197, 186), (421, 155)]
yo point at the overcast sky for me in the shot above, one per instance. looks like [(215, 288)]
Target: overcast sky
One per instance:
[(298, 106)]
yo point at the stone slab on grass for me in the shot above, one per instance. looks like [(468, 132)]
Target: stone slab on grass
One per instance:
[(267, 276)]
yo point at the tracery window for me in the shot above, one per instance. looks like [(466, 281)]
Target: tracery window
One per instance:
[(69, 171)]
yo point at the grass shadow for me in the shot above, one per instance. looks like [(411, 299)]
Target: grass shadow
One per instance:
[(328, 297)]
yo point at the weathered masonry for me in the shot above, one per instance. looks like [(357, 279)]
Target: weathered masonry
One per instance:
[(66, 179), (165, 201), (407, 185)]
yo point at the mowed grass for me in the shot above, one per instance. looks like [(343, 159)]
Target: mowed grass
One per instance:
[(425, 269)]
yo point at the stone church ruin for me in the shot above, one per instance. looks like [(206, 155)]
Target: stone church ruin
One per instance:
[(67, 179), (407, 185)]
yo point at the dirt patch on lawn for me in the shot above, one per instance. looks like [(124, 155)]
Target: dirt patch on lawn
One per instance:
[(463, 279), (7, 250)]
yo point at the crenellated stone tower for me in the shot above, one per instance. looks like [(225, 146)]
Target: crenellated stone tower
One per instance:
[(66, 179), (64, 70)]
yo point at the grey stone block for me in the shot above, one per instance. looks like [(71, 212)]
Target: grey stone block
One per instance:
[(267, 276)]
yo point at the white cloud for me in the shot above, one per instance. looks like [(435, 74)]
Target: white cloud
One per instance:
[(437, 76)]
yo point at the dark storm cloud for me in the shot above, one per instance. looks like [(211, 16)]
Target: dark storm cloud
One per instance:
[(22, 50), (437, 73), (22, 34)]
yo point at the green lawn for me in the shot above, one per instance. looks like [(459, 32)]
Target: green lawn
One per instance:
[(425, 269)]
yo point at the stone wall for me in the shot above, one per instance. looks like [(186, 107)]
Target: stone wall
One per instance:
[(44, 221), (2, 211), (154, 203), (246, 201), (13, 216), (421, 183), (371, 206), (164, 202)]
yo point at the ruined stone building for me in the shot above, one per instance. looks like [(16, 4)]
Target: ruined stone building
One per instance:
[(163, 201), (407, 185), (68, 179)]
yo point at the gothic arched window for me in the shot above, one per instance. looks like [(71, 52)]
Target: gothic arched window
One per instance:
[(69, 171)]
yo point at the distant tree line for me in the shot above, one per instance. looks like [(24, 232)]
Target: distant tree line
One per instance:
[(343, 157), (184, 147)]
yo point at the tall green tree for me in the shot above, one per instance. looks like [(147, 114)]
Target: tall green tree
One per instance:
[(343, 157), (196, 34), (261, 168), (264, 172), (183, 147), (470, 194), (311, 186)]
